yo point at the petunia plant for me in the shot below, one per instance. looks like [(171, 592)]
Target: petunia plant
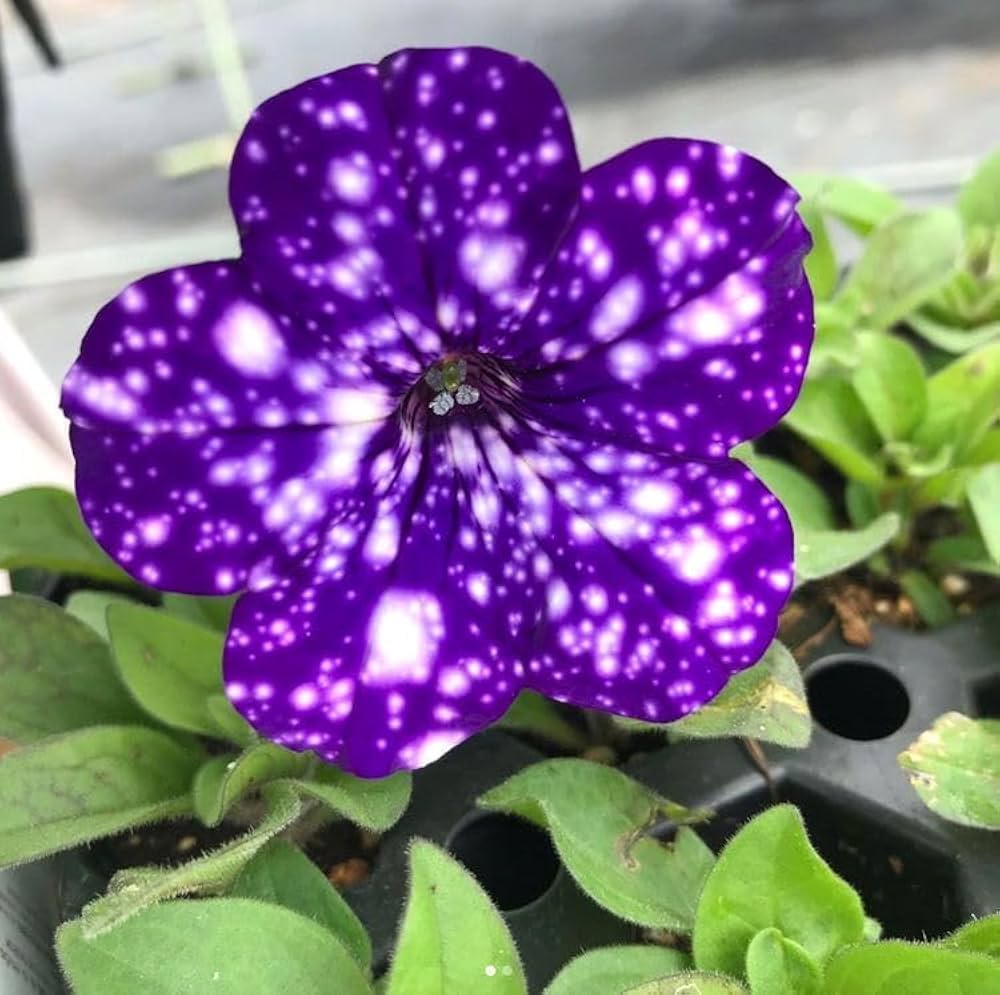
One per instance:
[(462, 438), (903, 391), (457, 421)]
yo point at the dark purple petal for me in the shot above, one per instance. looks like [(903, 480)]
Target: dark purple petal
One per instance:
[(208, 514), (663, 577), (408, 631), (196, 348), (428, 190), (487, 158), (676, 314)]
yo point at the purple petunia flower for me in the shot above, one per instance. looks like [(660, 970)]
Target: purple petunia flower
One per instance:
[(457, 420)]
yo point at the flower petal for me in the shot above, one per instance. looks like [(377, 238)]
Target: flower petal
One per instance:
[(428, 190), (210, 513), (663, 578), (676, 314), (486, 153), (407, 632), (197, 348)]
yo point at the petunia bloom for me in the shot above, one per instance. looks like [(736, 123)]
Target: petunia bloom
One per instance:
[(457, 420)]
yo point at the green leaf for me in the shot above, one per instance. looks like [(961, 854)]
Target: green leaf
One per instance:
[(690, 983), (222, 946), (599, 820), (55, 673), (89, 783), (873, 930), (212, 612), (170, 665), (281, 873), (955, 768), (230, 724), (894, 968), (917, 464), (91, 608), (613, 969), (905, 262), (930, 601), (137, 888), (963, 401), (979, 195), (373, 804), (821, 263), (42, 527), (533, 714), (822, 554), (834, 347), (223, 780), (862, 503), (829, 414), (961, 553), (769, 875), (952, 339), (984, 499), (805, 501), (452, 938), (986, 450), (766, 702), (981, 936), (891, 383), (779, 966), (860, 205)]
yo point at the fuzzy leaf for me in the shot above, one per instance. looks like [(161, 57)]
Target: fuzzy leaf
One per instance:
[(690, 983), (769, 875), (829, 415), (822, 554), (170, 665), (894, 967), (821, 263), (984, 499), (231, 725), (955, 768), (599, 820), (891, 383), (905, 262), (766, 702), (42, 527), (223, 780), (613, 969), (963, 402), (452, 938), (212, 612), (93, 782), (531, 713), (281, 873), (930, 601), (373, 804), (981, 936), (952, 339), (979, 195), (222, 946), (91, 608), (56, 674), (861, 205), (779, 966), (805, 501), (137, 888)]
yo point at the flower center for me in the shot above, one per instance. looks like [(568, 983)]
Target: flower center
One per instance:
[(472, 384), (448, 381)]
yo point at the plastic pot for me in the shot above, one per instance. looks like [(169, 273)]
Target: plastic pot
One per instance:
[(918, 874), (550, 918)]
